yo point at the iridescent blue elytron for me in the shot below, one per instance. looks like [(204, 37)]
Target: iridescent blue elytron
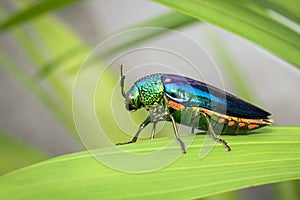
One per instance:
[(192, 103)]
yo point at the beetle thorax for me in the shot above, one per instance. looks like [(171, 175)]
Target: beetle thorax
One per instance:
[(151, 90)]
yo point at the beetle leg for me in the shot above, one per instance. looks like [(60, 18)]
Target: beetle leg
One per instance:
[(194, 122), (142, 126), (193, 130), (153, 131), (182, 146), (214, 135)]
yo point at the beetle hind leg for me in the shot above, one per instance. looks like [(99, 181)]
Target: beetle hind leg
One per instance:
[(218, 139), (214, 135)]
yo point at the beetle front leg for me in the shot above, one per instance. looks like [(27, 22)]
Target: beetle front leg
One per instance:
[(142, 126)]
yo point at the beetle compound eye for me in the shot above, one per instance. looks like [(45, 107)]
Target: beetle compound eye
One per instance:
[(130, 103), (131, 100)]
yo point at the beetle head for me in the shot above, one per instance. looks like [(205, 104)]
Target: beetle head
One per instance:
[(132, 99)]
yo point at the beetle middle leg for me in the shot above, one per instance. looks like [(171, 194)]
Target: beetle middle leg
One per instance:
[(153, 131), (181, 143), (195, 122), (193, 130), (135, 137)]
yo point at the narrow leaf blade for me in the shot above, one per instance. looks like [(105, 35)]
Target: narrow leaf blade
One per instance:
[(273, 155), (240, 18), (33, 11)]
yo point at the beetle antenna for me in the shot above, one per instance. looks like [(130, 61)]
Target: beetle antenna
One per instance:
[(122, 81)]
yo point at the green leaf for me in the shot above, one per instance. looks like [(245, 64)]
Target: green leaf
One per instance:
[(287, 8), (272, 155), (240, 18), (287, 190), (48, 33), (33, 11), (32, 85), (14, 154)]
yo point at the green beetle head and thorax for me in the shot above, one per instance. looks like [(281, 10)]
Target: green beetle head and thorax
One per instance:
[(146, 92)]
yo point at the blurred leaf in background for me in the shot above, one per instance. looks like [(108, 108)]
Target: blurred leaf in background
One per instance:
[(33, 10), (15, 154), (45, 42), (246, 20)]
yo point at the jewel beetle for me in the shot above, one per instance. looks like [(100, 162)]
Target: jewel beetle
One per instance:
[(182, 100)]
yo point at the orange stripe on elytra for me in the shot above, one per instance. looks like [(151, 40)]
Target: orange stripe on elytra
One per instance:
[(175, 105), (251, 123), (252, 126), (231, 123), (221, 120), (241, 124), (208, 112)]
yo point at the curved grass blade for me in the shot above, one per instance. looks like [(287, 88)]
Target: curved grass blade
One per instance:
[(240, 18), (29, 82), (33, 11), (273, 155), (287, 8), (173, 20)]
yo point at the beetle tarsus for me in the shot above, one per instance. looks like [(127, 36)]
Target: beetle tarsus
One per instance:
[(182, 146), (224, 143), (129, 142), (133, 140), (220, 140)]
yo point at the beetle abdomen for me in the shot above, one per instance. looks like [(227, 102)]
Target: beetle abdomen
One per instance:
[(196, 117)]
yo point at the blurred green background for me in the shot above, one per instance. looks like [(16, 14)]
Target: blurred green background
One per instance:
[(43, 44)]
